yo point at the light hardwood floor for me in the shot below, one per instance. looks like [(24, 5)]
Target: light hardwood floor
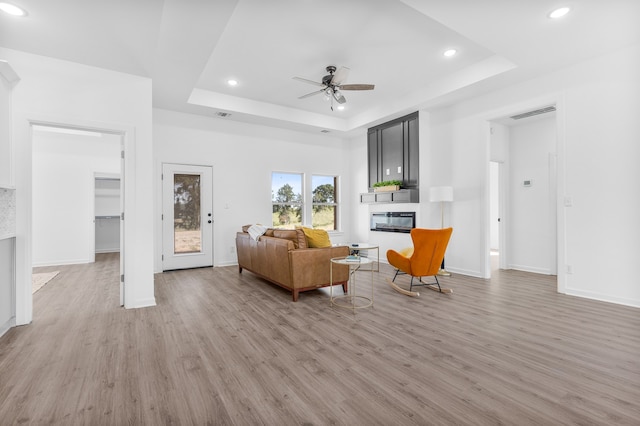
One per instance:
[(228, 348)]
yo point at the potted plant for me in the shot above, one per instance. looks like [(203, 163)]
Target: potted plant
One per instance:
[(387, 185)]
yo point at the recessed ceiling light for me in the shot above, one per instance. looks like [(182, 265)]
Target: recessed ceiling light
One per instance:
[(12, 9), (232, 82), (559, 13), (450, 52), (340, 107)]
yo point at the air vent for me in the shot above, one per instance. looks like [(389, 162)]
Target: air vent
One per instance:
[(223, 114), (535, 112)]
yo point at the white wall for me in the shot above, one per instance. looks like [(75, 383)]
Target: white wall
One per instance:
[(56, 91), (243, 157), (63, 193), (598, 133), (532, 219), (6, 149)]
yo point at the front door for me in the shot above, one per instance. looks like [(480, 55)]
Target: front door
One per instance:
[(187, 219)]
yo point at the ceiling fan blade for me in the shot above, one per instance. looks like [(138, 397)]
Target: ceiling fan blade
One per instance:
[(340, 76), (311, 94), (357, 87), (304, 80)]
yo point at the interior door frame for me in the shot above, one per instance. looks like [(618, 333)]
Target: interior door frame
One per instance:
[(119, 177), (24, 204), (558, 100), (209, 233)]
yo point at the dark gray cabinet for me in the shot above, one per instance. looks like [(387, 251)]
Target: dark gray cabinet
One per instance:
[(393, 154), (393, 151)]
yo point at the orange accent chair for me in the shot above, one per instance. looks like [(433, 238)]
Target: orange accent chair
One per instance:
[(429, 246)]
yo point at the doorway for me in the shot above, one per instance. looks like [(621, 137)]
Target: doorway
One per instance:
[(187, 216), (107, 213), (523, 193), (65, 160)]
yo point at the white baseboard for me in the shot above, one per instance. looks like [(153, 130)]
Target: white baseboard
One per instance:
[(142, 303), (7, 325), (61, 262), (227, 263), (467, 272), (602, 297), (532, 269), (111, 250)]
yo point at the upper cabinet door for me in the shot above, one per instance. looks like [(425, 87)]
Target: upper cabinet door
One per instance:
[(392, 152), (411, 170), (374, 157)]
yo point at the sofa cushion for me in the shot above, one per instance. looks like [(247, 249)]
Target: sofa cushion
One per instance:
[(302, 239), (317, 238), (291, 235)]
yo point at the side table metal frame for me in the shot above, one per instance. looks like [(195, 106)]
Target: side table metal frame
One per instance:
[(352, 287)]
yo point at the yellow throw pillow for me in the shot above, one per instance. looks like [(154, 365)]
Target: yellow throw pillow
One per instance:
[(317, 238)]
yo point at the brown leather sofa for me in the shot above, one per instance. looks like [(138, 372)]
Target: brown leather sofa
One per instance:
[(282, 257)]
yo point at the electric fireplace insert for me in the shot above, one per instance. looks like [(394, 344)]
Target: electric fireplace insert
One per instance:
[(393, 221)]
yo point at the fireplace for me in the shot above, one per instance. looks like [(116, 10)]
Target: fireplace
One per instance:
[(393, 221)]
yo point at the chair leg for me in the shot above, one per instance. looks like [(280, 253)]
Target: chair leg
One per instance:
[(394, 277), (411, 284), (438, 282)]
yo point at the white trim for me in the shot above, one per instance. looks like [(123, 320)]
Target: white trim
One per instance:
[(7, 71), (24, 233)]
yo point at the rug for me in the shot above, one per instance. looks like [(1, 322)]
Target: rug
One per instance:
[(39, 280)]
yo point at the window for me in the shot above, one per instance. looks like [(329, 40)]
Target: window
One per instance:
[(324, 211), (287, 199)]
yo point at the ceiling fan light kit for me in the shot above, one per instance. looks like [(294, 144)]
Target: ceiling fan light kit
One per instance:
[(331, 85)]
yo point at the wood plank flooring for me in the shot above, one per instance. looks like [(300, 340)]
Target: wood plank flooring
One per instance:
[(230, 349)]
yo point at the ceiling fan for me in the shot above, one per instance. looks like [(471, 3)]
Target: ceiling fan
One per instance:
[(331, 85)]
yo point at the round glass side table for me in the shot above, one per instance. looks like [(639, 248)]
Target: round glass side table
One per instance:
[(352, 300)]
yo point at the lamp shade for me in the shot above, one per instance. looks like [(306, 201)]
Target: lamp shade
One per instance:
[(441, 193)]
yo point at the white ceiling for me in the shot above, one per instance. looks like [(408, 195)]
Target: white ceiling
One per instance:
[(191, 48)]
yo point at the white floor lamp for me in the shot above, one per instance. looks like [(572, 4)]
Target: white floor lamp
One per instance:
[(441, 194)]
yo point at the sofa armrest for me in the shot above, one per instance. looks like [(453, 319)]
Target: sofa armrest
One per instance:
[(310, 267)]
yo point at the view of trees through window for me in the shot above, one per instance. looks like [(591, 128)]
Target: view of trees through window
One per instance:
[(186, 213), (287, 199), (324, 209)]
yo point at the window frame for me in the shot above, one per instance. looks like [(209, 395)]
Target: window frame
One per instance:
[(306, 203), (336, 199), (301, 204)]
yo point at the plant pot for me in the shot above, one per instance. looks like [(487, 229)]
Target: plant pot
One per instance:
[(386, 188)]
